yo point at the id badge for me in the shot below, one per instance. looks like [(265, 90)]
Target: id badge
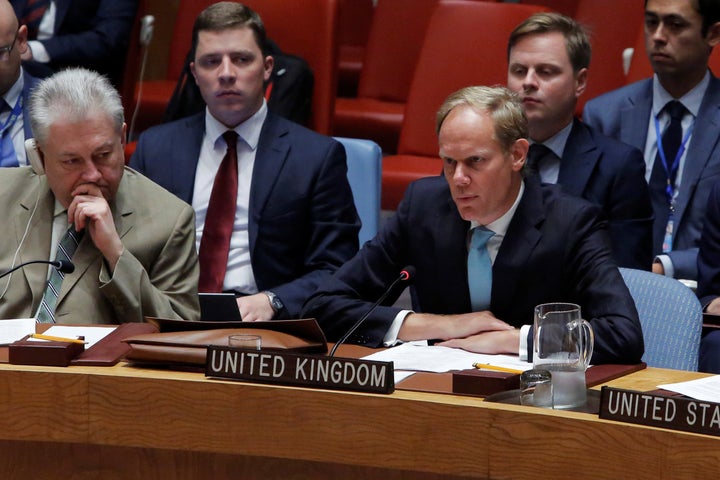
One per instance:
[(667, 240)]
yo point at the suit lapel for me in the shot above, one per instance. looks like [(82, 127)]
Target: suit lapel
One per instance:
[(35, 215), (635, 117), (703, 143), (520, 240), (61, 9), (29, 83), (185, 152), (579, 159), (451, 247), (272, 152)]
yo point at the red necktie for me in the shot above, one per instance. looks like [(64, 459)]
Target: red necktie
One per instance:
[(219, 220), (32, 15)]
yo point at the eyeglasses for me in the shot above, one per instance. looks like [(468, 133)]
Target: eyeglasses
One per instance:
[(5, 51)]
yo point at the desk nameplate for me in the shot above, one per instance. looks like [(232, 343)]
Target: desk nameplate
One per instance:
[(672, 412), (313, 371)]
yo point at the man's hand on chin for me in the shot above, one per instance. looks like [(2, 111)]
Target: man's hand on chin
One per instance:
[(89, 210)]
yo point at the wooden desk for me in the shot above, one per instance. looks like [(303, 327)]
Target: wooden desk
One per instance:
[(127, 423)]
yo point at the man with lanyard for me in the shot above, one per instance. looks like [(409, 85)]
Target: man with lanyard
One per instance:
[(672, 117), (15, 87)]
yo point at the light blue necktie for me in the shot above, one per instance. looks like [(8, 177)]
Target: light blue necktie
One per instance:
[(66, 249), (480, 269), (7, 150)]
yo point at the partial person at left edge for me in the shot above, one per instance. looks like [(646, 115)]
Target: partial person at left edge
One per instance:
[(132, 243), (92, 34), (15, 87)]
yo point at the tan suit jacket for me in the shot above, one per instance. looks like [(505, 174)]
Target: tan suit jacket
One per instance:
[(157, 274)]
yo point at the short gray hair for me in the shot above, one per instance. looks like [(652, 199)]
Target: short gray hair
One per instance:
[(74, 94), (503, 106)]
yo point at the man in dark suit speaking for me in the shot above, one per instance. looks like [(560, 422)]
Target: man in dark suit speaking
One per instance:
[(274, 209), (548, 60), (538, 245)]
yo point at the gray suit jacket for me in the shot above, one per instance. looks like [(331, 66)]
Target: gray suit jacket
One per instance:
[(624, 114), (156, 275)]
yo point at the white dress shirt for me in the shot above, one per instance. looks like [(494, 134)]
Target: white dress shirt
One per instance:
[(239, 276)]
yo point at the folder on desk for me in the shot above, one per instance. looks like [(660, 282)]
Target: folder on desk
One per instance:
[(112, 348), (185, 342), (106, 352)]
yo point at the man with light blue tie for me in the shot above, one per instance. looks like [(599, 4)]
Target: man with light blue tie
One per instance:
[(488, 245), (673, 118), (15, 88)]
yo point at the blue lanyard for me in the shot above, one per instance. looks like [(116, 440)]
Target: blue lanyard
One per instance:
[(14, 114), (671, 171)]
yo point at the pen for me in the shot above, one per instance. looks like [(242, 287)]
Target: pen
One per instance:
[(485, 366), (56, 339)]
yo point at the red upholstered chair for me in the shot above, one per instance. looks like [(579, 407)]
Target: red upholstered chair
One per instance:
[(307, 28), (609, 39), (396, 36), (566, 7), (353, 31), (465, 44)]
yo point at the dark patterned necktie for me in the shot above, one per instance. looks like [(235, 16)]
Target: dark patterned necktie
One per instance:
[(662, 179), (537, 153), (66, 249)]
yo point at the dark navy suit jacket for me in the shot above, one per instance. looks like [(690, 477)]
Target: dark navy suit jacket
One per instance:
[(624, 114), (555, 249), (611, 174), (709, 256), (89, 33), (302, 219), (29, 82)]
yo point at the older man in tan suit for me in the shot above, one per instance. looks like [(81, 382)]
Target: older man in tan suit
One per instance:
[(132, 242)]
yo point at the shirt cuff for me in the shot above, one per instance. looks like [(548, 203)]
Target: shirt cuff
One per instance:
[(667, 265), (390, 338), (522, 350), (39, 53)]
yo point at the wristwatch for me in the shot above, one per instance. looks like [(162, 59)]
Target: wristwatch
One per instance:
[(275, 301)]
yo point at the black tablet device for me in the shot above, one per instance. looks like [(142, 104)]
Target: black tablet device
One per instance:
[(219, 307)]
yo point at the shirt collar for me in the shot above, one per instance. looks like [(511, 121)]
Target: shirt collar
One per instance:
[(249, 130), (691, 100), (557, 142), (14, 92), (501, 225)]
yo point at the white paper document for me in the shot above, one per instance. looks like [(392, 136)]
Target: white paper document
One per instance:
[(705, 389), (13, 330), (415, 356)]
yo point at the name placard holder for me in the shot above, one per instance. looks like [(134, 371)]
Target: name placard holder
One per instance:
[(312, 371), (675, 413)]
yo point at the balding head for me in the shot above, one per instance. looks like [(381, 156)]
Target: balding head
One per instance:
[(10, 36)]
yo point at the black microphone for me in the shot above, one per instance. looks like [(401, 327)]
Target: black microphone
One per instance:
[(406, 274), (63, 266)]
